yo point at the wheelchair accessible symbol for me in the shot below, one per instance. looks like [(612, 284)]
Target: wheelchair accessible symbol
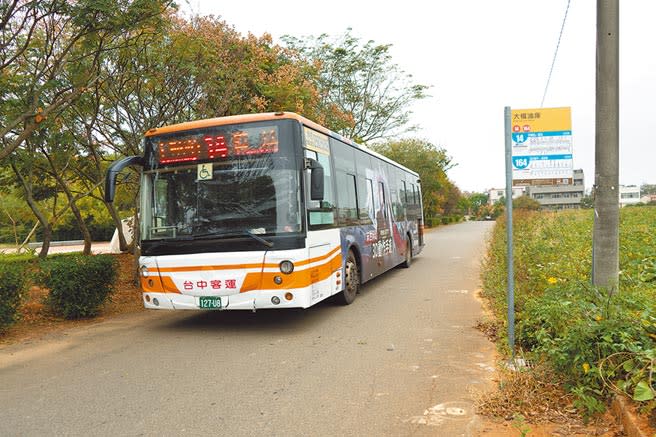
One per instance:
[(204, 172)]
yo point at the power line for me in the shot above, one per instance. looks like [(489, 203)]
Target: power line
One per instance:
[(562, 27)]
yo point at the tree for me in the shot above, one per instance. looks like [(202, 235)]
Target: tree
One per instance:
[(39, 192), (431, 162), (16, 218), (190, 69), (253, 74), (587, 201), (472, 203), (452, 198), (50, 53), (648, 189), (372, 95), (477, 202), (526, 203)]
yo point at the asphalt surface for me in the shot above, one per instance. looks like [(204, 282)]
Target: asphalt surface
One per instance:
[(403, 359)]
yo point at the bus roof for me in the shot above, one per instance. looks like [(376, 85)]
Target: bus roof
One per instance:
[(265, 116), (234, 119)]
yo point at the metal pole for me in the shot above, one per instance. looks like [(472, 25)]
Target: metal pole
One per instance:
[(509, 229), (605, 242)]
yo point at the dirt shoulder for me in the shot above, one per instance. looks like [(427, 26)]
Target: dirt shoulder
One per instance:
[(37, 321)]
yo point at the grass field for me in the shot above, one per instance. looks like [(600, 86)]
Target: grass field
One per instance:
[(599, 343)]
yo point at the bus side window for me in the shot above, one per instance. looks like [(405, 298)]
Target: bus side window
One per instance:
[(347, 207), (328, 195), (365, 200), (401, 202), (382, 204)]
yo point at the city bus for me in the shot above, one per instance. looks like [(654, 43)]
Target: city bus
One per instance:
[(265, 211)]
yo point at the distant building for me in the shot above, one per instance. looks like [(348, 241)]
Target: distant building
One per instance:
[(560, 196), (629, 195), (496, 194)]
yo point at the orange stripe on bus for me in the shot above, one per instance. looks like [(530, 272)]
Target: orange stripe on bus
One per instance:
[(158, 284), (242, 266), (221, 267), (318, 258), (169, 285), (297, 279), (258, 280), (255, 280)]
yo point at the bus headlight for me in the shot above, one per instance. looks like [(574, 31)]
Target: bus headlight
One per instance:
[(286, 267), (144, 271)]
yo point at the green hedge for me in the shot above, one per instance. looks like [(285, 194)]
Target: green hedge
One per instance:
[(78, 284), (442, 220), (13, 279)]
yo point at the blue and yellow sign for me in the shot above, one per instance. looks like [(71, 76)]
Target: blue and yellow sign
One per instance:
[(541, 145)]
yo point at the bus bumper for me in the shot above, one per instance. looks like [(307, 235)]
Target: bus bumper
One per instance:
[(253, 300)]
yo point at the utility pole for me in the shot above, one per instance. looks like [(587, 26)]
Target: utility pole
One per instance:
[(605, 240)]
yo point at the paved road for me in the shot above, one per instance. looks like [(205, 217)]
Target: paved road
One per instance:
[(401, 360), (96, 247)]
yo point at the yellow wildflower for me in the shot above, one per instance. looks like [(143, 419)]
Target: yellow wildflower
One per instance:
[(598, 317), (586, 367), (552, 280)]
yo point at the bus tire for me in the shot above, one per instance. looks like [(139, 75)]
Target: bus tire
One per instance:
[(351, 280), (408, 255)]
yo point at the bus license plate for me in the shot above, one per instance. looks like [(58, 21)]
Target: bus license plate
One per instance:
[(209, 302)]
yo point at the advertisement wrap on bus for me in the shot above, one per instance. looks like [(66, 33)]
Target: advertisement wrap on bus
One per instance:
[(266, 211)]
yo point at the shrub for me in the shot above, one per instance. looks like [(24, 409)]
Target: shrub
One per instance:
[(597, 343), (432, 222), (78, 284), (12, 286)]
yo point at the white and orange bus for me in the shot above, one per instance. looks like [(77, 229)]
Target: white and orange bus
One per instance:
[(267, 211)]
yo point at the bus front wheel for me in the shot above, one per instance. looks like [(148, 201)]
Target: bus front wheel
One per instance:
[(351, 280)]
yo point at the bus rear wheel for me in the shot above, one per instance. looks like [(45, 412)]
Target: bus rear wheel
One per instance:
[(408, 255), (351, 281)]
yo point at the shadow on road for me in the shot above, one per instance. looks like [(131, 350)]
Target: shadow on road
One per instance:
[(270, 321)]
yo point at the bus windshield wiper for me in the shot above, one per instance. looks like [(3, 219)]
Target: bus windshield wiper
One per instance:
[(162, 241), (210, 235)]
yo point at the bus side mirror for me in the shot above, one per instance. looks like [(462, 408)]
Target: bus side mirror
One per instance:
[(316, 178), (113, 171)]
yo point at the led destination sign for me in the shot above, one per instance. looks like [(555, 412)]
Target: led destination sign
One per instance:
[(217, 144)]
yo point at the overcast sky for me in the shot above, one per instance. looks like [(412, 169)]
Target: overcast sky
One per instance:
[(479, 56)]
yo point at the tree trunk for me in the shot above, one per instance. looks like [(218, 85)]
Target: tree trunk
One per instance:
[(71, 203), (80, 222), (123, 245), (47, 237), (47, 226), (74, 209)]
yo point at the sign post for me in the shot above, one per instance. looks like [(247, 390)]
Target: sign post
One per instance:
[(509, 230), (538, 150)]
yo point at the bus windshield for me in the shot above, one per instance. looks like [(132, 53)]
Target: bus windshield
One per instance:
[(248, 193)]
